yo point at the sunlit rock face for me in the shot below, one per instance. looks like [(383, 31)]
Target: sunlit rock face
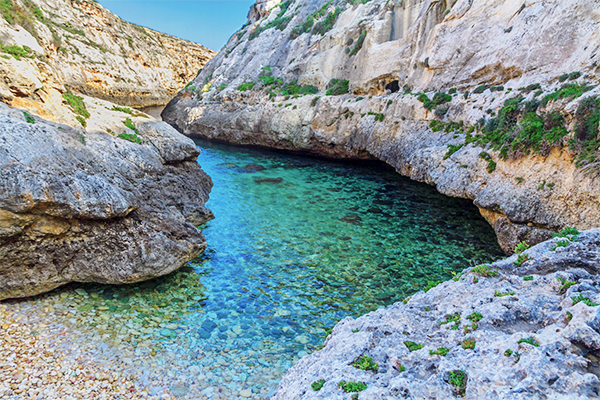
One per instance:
[(81, 46), (93, 207), (530, 175)]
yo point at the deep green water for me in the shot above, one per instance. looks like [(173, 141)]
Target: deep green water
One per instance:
[(297, 244)]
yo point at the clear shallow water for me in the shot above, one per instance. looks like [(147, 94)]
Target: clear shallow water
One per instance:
[(297, 244)]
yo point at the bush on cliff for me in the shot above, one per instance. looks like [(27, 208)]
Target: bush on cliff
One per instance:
[(337, 87), (76, 103)]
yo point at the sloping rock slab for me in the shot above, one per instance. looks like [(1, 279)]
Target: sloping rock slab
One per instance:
[(530, 341), (92, 207)]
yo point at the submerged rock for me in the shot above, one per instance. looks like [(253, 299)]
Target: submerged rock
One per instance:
[(91, 207), (493, 332), (268, 180)]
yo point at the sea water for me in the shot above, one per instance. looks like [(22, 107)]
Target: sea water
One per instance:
[(297, 244)]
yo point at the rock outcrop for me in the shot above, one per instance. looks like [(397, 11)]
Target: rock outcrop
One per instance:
[(495, 101), (50, 46), (93, 206), (493, 332)]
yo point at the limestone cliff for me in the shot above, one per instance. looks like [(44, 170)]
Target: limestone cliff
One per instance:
[(496, 101), (49, 46)]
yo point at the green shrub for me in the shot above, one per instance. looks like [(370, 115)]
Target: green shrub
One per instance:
[(378, 116), (412, 346), (468, 344), (317, 385), (560, 243), (246, 86), (458, 379), (350, 387), (584, 300), (28, 117), (76, 103), (485, 271), (132, 137), (452, 149), (358, 45), (441, 351), (327, 24), (338, 87), (491, 164), (81, 120), (129, 124), (570, 91), (365, 363), (17, 52), (521, 247), (529, 340), (568, 232), (503, 294), (481, 89)]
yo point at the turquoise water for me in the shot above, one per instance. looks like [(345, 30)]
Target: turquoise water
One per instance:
[(297, 244)]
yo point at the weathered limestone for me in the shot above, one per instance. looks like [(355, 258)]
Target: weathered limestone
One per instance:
[(560, 360), (81, 46), (93, 207), (424, 46)]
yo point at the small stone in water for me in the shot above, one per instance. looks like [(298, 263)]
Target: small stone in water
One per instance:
[(301, 339), (245, 393), (81, 292), (167, 333)]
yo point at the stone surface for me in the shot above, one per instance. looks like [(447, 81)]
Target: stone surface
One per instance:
[(424, 46), (562, 362), (92, 207), (81, 46)]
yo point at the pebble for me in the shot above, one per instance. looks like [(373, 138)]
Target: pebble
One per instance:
[(245, 393)]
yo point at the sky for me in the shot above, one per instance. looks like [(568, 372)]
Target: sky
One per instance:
[(208, 22)]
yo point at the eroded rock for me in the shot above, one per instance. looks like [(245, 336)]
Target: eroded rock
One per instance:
[(532, 333), (93, 207)]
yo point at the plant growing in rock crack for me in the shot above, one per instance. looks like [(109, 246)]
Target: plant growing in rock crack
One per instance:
[(474, 317), (28, 117), (521, 258), (469, 344), (458, 380), (565, 284), (503, 294), (365, 363), (521, 247), (528, 278), (484, 271), (453, 319), (431, 285), (569, 232), (584, 300), (317, 385), (412, 346), (441, 351), (560, 243), (529, 340), (350, 387)]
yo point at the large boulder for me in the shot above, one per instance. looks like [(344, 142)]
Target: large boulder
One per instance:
[(92, 207)]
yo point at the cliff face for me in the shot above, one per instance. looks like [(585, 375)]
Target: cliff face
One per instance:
[(93, 207), (496, 101), (53, 45)]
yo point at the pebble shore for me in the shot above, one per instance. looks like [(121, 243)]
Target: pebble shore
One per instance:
[(32, 368)]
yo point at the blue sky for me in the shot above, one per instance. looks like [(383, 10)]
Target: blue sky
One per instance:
[(208, 22)]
